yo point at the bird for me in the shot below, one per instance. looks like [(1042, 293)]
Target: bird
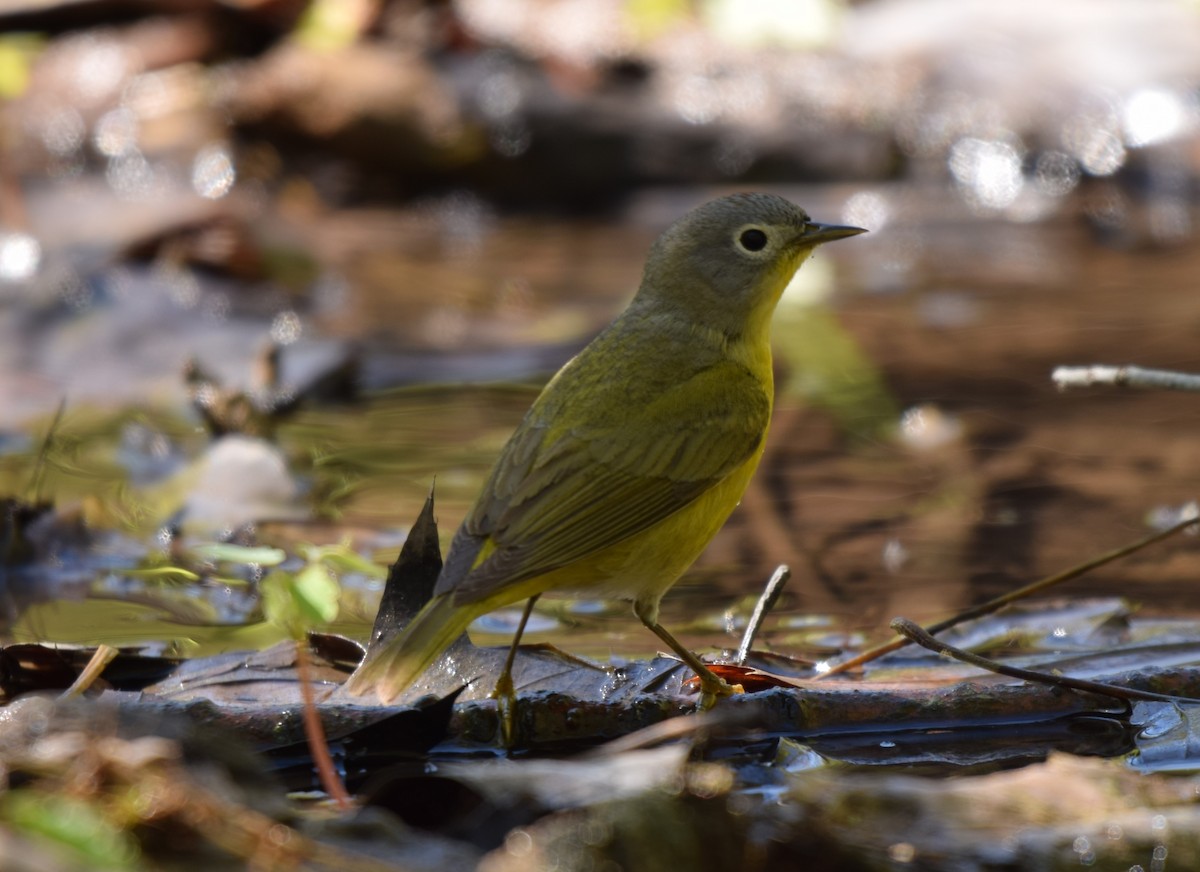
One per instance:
[(636, 452)]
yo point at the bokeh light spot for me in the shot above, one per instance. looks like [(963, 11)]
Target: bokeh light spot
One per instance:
[(867, 209), (1056, 173), (1152, 115), (61, 131), (213, 172), (286, 328), (116, 133), (987, 171), (20, 256)]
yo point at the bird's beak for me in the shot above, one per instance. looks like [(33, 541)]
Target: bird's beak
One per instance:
[(816, 234)]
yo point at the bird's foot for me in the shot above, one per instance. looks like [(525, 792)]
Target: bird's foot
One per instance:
[(505, 696), (712, 688)]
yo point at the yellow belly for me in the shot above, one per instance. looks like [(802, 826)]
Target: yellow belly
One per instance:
[(643, 567)]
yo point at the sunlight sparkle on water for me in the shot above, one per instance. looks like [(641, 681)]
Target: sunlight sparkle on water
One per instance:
[(1083, 847), (286, 328), (61, 131), (926, 427), (987, 171), (213, 173), (116, 133), (1152, 115), (101, 67), (1056, 173), (895, 555), (1162, 517), (867, 209), (132, 176), (20, 256), (1102, 154)]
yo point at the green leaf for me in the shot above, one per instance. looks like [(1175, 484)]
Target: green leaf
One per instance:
[(317, 593), (74, 825), (343, 559), (224, 552), (162, 573), (302, 600)]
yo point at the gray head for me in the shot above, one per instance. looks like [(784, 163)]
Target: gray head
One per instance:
[(729, 260)]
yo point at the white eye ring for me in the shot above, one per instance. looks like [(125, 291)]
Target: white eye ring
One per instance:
[(752, 239)]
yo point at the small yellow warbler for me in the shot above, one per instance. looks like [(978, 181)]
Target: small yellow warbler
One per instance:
[(636, 452)]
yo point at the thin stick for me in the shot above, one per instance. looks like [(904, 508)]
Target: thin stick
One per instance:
[(314, 732), (1066, 377), (916, 634), (1028, 590), (766, 602), (682, 727), (101, 657), (39, 465)]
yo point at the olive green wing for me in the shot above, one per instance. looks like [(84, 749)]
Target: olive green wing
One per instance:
[(556, 498)]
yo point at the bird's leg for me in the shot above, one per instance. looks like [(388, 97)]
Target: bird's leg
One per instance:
[(504, 693), (712, 686)]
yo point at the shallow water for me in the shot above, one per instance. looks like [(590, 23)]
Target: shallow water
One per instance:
[(988, 480)]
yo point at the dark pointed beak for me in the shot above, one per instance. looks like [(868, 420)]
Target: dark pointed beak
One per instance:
[(816, 234)]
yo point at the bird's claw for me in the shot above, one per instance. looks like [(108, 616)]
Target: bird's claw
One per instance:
[(506, 709), (711, 691)]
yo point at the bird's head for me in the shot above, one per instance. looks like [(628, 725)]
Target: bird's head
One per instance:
[(726, 263)]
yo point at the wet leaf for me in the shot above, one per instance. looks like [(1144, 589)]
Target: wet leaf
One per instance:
[(162, 573), (1168, 738), (750, 678), (365, 750), (1066, 813), (411, 578), (170, 618)]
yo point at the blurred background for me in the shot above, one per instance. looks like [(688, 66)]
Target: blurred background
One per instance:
[(281, 263)]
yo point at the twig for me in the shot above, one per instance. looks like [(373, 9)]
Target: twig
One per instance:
[(39, 465), (250, 835), (916, 634), (1066, 377), (1028, 590), (656, 734), (101, 657), (314, 732), (766, 602), (688, 726)]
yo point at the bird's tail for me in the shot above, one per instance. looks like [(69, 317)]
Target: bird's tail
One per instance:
[(390, 670)]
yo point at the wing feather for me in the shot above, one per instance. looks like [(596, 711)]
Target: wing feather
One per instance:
[(558, 497)]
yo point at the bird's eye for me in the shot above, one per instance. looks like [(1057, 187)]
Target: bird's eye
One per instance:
[(753, 239)]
